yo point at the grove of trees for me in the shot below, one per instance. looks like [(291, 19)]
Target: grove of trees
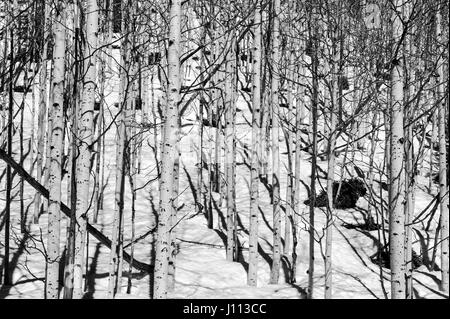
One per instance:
[(122, 122)]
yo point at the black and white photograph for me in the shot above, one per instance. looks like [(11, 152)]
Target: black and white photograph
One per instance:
[(231, 152)]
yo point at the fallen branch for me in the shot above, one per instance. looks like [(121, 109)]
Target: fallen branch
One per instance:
[(66, 210)]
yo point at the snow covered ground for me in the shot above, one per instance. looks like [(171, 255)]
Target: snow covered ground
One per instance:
[(201, 267)]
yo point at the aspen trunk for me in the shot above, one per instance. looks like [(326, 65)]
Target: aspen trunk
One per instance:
[(72, 155), (98, 186), (173, 219), (168, 154), (202, 103), (85, 135), (432, 143), (230, 150), (443, 187), (211, 146), (331, 168), (397, 182), (299, 114), (41, 114), (48, 134), (290, 177), (252, 276), (277, 246), (114, 259), (409, 155), (409, 208), (218, 102), (371, 174), (314, 106), (56, 155), (299, 105), (7, 276)]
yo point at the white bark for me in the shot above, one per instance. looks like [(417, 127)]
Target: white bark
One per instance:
[(290, 177), (331, 166), (41, 114), (256, 136), (230, 150), (169, 153), (397, 181), (56, 155), (410, 70), (124, 100), (277, 246), (443, 187), (85, 135)]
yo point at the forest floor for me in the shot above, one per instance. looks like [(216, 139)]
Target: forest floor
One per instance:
[(201, 267)]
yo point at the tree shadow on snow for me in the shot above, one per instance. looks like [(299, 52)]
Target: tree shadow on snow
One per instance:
[(90, 276), (192, 187), (240, 256), (4, 289), (425, 248)]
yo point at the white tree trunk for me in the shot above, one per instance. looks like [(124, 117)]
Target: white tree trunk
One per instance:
[(56, 155), (277, 246), (397, 181), (290, 175), (169, 153), (230, 150), (252, 276), (41, 115), (121, 137), (443, 187), (409, 81), (85, 135), (331, 166)]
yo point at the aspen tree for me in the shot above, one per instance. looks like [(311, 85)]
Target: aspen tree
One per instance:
[(114, 283), (335, 60), (288, 222), (132, 179), (3, 91), (202, 102), (277, 246), (443, 187), (173, 214), (290, 177), (129, 153), (48, 135), (56, 154), (68, 90), (175, 183), (299, 107), (397, 182), (230, 150), (266, 110), (7, 280), (169, 151), (85, 135), (73, 155), (314, 106), (433, 139), (430, 49), (252, 275), (41, 112), (33, 118), (21, 155), (371, 174), (212, 105), (409, 70), (217, 102), (98, 185)]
